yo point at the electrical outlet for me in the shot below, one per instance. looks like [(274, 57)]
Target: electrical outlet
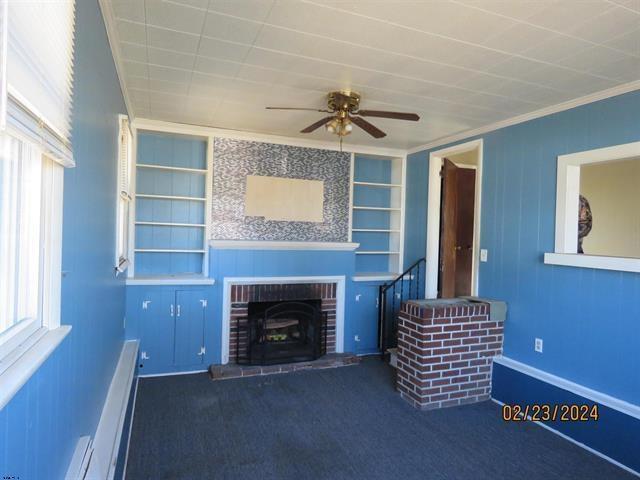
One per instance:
[(356, 338), (538, 345), (484, 254)]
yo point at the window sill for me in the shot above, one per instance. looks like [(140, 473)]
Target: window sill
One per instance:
[(28, 361), (619, 264)]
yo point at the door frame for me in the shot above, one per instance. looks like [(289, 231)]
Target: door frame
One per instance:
[(433, 215)]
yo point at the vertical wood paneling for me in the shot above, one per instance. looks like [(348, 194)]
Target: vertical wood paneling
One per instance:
[(589, 319), (63, 400)]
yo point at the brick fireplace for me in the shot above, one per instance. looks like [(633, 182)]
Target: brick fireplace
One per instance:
[(242, 294)]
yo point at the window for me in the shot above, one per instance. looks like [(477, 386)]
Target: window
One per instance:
[(36, 80), (597, 215), (123, 194), (30, 213)]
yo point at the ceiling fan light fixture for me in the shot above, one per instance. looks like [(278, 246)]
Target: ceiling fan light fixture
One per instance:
[(333, 126)]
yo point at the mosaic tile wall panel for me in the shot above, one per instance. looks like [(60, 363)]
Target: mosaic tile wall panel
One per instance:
[(233, 160)]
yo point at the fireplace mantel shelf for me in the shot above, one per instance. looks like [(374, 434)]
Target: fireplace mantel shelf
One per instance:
[(280, 245)]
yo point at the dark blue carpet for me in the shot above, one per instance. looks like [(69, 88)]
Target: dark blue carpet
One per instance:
[(344, 423)]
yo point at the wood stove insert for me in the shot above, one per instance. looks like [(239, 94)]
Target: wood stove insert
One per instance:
[(283, 332)]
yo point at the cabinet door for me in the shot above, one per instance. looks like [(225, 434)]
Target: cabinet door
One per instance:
[(189, 338), (367, 318), (157, 332)]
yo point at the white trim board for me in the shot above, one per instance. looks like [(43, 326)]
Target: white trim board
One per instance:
[(106, 442), (621, 406), (280, 245), (433, 215), (171, 374), (619, 264), (575, 442), (204, 131), (228, 282), (133, 413), (170, 281), (543, 112)]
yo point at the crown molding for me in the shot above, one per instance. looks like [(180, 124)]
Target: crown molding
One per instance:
[(109, 20), (543, 112), (206, 132)]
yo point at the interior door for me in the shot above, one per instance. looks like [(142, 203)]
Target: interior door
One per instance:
[(464, 234), (189, 339), (448, 230)]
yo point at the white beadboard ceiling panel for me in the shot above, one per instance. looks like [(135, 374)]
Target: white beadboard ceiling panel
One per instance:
[(459, 64)]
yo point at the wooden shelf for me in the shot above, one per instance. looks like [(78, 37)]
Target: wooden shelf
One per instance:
[(170, 197), (384, 209), (168, 250), (376, 252), (374, 276), (380, 185), (173, 169), (171, 224)]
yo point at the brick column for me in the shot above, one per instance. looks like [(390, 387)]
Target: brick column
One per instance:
[(445, 353)]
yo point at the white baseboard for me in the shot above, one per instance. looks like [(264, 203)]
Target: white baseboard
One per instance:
[(80, 461), (602, 398), (106, 442), (171, 374), (133, 414), (581, 445)]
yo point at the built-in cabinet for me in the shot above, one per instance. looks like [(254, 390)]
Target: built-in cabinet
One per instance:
[(377, 204), (171, 328), (171, 205)]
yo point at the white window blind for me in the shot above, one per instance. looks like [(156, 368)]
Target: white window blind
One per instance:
[(38, 70), (125, 140)]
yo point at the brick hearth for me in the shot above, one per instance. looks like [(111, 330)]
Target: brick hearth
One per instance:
[(241, 295), (445, 353)]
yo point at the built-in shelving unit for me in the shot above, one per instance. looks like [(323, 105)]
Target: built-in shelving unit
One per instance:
[(172, 176), (377, 205)]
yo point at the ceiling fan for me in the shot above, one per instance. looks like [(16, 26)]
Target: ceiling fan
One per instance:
[(344, 108)]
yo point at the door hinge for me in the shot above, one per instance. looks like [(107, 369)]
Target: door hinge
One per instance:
[(202, 351), (144, 356), (145, 304), (204, 303)]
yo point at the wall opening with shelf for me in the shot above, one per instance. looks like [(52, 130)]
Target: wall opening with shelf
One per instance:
[(377, 204)]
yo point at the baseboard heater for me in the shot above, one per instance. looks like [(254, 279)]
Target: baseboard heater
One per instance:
[(98, 459)]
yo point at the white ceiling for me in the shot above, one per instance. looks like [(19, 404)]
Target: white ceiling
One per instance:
[(459, 64)]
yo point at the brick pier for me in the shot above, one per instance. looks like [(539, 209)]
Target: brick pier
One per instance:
[(445, 353)]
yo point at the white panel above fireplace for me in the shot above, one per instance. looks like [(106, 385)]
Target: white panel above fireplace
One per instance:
[(285, 199)]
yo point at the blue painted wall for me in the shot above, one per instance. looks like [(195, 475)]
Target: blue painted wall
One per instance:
[(39, 428), (360, 317), (415, 222), (589, 319), (614, 433)]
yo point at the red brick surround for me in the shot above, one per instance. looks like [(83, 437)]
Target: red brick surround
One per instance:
[(241, 295), (445, 353)]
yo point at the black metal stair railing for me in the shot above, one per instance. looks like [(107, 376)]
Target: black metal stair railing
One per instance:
[(407, 286)]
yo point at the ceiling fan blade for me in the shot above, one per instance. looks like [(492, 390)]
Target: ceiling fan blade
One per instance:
[(296, 108), (318, 124), (395, 115), (367, 127)]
